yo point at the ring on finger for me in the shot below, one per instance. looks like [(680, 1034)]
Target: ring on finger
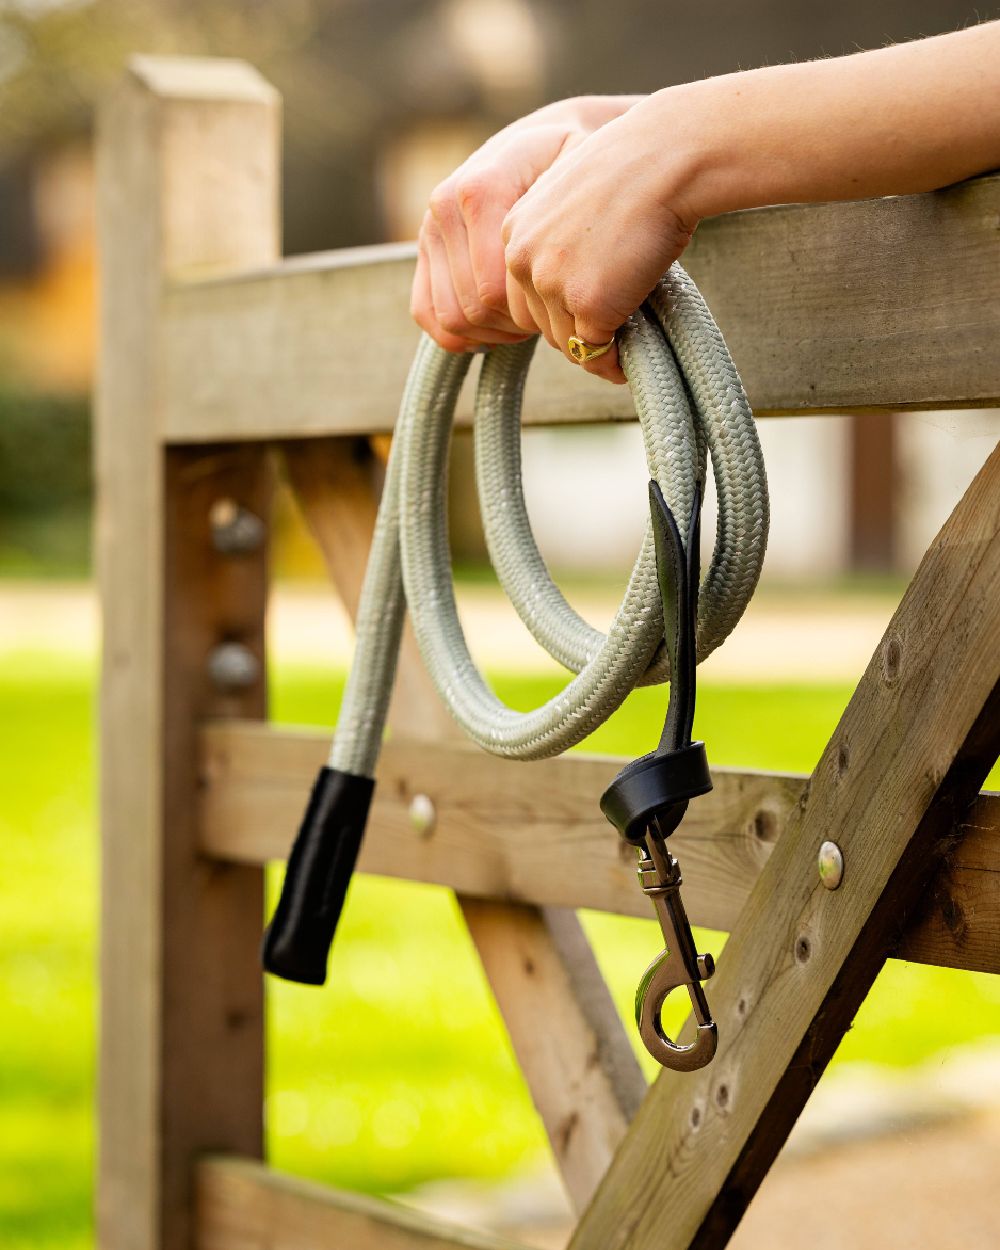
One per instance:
[(582, 351)]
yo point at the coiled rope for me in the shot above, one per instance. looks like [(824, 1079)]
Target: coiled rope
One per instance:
[(689, 401)]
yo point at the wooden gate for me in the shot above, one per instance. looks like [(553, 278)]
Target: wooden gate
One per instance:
[(219, 358)]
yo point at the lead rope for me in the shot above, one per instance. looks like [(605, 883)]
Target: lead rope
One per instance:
[(689, 401)]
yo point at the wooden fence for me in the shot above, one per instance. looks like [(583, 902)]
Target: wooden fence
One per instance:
[(219, 360)]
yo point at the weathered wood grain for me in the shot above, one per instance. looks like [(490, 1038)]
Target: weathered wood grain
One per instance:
[(889, 303), (902, 768), (245, 1206), (582, 1073), (187, 179), (506, 830)]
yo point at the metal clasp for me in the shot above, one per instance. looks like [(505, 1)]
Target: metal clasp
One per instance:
[(679, 964)]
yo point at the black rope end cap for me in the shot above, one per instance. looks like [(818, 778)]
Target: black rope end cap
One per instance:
[(297, 942), (652, 784)]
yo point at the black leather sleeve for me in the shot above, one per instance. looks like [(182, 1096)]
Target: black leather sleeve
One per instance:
[(297, 941)]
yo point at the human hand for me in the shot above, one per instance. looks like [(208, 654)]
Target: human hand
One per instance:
[(459, 293), (588, 241)]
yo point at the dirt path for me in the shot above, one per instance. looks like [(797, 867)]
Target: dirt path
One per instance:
[(880, 1160)]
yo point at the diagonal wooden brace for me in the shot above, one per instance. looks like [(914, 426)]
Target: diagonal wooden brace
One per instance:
[(909, 755)]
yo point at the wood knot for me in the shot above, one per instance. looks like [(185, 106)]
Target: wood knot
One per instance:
[(765, 825), (953, 915), (892, 658), (565, 1132)]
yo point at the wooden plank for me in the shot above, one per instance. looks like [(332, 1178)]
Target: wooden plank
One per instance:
[(243, 1205), (889, 303), (507, 831), (583, 1075), (187, 180), (906, 761), (504, 829), (585, 1084)]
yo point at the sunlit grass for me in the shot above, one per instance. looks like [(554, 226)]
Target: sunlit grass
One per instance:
[(397, 1071)]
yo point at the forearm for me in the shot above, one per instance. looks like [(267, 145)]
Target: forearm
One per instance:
[(898, 120)]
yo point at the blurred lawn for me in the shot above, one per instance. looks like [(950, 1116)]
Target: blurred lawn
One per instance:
[(397, 1072)]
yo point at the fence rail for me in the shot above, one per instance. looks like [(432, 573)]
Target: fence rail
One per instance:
[(883, 304)]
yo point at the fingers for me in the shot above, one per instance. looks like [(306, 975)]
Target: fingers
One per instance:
[(422, 308), (517, 303), (607, 366), (483, 216), (436, 304), (468, 210), (539, 291)]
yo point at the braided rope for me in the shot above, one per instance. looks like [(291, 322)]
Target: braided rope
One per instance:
[(690, 404)]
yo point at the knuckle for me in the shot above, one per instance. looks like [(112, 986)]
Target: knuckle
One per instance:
[(420, 312), (441, 336), (546, 280), (493, 296), (472, 191), (476, 314), (508, 226), (454, 323), (517, 258), (442, 201)]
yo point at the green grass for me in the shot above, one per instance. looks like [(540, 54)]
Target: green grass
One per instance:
[(399, 1070)]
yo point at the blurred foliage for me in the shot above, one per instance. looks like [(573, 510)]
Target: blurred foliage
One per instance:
[(45, 484), (44, 453), (353, 73)]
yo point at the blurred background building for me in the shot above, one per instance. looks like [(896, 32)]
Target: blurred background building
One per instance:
[(382, 99)]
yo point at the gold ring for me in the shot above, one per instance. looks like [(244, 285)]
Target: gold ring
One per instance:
[(582, 351)]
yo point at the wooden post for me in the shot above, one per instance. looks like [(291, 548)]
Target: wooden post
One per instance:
[(188, 182)]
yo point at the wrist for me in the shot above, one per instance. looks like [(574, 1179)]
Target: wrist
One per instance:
[(687, 144)]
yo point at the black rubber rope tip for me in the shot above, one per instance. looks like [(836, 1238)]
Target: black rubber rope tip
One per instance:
[(297, 942)]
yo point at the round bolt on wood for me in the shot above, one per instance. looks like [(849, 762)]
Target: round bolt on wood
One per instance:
[(422, 814), (232, 666), (831, 865), (235, 531)]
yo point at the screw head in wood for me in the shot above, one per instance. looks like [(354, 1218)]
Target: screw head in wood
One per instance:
[(422, 814), (236, 531), (831, 865), (232, 666)]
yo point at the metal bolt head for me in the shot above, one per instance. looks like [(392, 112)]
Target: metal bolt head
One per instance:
[(422, 814), (831, 865), (235, 531), (232, 666)]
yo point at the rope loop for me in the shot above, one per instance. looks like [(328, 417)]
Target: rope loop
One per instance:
[(691, 406)]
